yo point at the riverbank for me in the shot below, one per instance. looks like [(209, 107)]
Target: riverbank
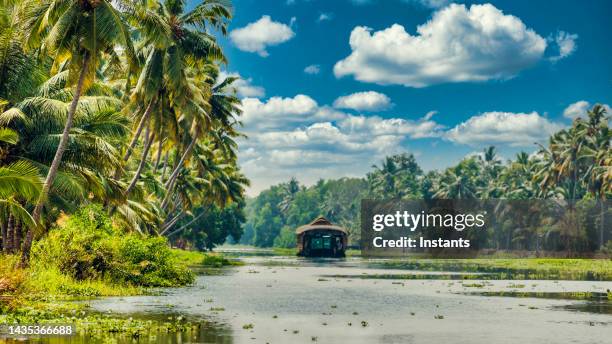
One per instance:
[(43, 295)]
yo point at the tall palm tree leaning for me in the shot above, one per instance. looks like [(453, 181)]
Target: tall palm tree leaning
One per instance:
[(176, 38), (76, 32)]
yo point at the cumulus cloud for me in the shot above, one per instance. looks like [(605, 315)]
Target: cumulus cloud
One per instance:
[(257, 36), (277, 110), (580, 108), (312, 69), (363, 101), (513, 129), (304, 139), (325, 17), (566, 43), (457, 45), (577, 109), (430, 3), (244, 87)]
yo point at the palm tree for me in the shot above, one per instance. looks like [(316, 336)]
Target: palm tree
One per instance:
[(175, 39), (223, 108), (73, 32), (383, 178), (596, 156), (20, 72), (19, 182), (290, 189), (456, 186)]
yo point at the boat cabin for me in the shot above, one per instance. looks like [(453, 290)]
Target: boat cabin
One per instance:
[(321, 238)]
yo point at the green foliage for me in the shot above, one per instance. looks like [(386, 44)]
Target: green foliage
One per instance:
[(575, 166), (286, 238), (211, 226), (149, 120), (275, 214), (87, 246)]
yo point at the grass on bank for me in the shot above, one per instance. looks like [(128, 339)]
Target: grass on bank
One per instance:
[(86, 255), (201, 259)]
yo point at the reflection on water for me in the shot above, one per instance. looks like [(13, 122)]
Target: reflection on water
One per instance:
[(290, 300)]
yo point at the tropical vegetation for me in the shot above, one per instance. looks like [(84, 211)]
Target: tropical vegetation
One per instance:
[(122, 105), (575, 166)]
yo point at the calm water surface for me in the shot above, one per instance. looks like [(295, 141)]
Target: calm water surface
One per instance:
[(288, 300)]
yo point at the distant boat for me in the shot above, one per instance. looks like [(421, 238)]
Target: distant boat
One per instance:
[(321, 238)]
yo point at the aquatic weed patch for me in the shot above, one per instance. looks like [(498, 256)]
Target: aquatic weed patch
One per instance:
[(100, 325), (513, 269), (583, 296)]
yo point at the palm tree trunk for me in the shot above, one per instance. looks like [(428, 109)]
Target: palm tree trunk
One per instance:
[(159, 153), (176, 171), (143, 160), (130, 149), (169, 185), (183, 226), (61, 148), (3, 234), (143, 120), (8, 248), (171, 222), (601, 224), (165, 166), (17, 236)]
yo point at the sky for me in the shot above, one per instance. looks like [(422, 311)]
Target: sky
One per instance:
[(330, 87)]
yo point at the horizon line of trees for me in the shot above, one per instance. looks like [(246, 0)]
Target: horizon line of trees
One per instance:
[(119, 103), (575, 165)]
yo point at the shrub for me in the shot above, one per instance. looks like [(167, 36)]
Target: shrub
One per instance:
[(150, 262), (87, 246)]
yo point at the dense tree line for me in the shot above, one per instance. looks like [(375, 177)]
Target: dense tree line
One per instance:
[(575, 165), (118, 103)]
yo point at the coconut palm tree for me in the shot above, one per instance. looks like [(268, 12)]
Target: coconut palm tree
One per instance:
[(20, 182), (595, 154), (176, 38), (75, 33)]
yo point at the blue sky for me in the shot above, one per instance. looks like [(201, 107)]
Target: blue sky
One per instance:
[(331, 87)]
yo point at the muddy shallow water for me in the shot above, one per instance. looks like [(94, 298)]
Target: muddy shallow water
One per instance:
[(288, 300)]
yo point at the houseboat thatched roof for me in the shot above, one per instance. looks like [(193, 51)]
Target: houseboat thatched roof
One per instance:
[(320, 223)]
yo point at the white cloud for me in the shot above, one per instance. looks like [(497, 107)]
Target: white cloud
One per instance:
[(457, 45), (304, 139), (566, 43), (324, 17), (312, 69), (277, 111), (244, 87), (577, 109), (580, 108), (363, 101), (326, 149), (257, 36), (430, 3), (506, 128)]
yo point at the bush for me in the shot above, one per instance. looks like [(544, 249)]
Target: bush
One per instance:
[(150, 262), (87, 246)]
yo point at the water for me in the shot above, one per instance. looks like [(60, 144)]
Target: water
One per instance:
[(291, 300)]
